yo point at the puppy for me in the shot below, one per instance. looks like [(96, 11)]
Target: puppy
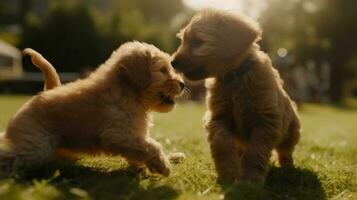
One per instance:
[(249, 113), (107, 112)]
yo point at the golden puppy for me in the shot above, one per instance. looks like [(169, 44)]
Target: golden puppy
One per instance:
[(249, 113), (106, 112)]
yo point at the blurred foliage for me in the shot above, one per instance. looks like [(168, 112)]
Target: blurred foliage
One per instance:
[(9, 37), (76, 35), (8, 12), (67, 37), (336, 22), (315, 30), (291, 27), (160, 10)]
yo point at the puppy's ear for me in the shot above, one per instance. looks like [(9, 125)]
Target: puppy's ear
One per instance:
[(236, 34), (137, 68)]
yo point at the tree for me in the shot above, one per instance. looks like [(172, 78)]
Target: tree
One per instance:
[(161, 11), (67, 37), (314, 30), (78, 34), (336, 23)]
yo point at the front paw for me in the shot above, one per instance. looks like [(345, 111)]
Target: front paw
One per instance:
[(177, 157), (159, 165)]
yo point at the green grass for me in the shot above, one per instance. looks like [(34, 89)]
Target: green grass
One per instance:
[(326, 164)]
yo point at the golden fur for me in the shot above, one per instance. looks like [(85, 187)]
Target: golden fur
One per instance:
[(51, 77), (247, 117), (106, 112)]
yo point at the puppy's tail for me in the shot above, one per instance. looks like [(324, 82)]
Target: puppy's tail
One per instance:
[(51, 77)]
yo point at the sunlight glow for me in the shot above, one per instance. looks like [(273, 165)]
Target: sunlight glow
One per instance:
[(219, 4), (250, 8)]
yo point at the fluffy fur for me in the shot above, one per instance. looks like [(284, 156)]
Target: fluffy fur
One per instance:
[(52, 79), (249, 116), (106, 112)]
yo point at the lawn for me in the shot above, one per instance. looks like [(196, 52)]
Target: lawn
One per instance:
[(326, 164)]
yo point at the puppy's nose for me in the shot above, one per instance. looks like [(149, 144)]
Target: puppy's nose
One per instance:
[(174, 63), (182, 85)]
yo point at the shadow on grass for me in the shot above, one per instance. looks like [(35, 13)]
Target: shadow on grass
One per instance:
[(77, 182), (289, 183)]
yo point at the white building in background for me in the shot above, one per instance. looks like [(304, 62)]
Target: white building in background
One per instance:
[(10, 62)]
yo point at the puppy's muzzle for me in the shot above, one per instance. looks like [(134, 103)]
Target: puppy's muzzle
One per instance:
[(181, 65)]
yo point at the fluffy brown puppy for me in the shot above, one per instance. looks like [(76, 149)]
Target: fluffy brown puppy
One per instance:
[(106, 112), (249, 113)]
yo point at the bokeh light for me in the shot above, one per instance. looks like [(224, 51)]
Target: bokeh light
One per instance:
[(282, 52)]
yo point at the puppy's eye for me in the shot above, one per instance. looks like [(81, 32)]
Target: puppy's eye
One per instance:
[(196, 42), (164, 71)]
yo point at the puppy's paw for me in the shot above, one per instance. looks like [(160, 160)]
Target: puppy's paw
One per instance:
[(159, 165), (177, 157)]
